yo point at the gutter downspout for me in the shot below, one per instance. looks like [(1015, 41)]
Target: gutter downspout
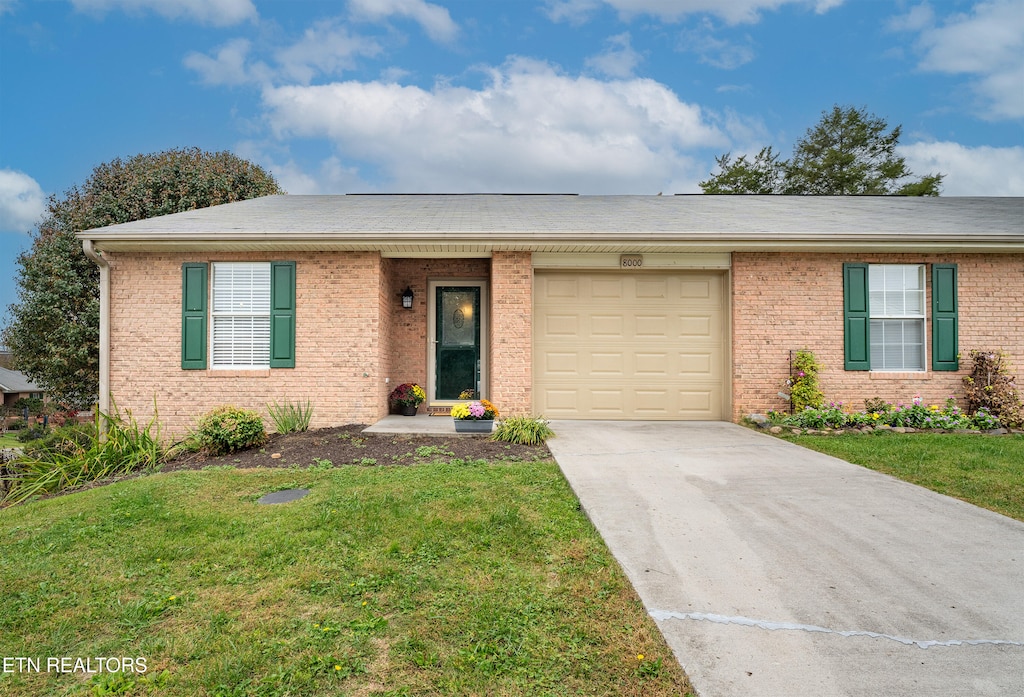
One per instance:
[(97, 257)]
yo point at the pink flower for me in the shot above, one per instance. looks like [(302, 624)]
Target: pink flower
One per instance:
[(476, 409)]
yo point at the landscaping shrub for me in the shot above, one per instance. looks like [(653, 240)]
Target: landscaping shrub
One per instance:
[(227, 429), (33, 432), (290, 417), (34, 404), (991, 387), (523, 430), (804, 390), (915, 415)]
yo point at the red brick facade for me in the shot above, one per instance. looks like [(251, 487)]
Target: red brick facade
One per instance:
[(355, 342), (788, 301)]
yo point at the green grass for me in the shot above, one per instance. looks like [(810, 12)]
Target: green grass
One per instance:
[(9, 440), (987, 471), (465, 579)]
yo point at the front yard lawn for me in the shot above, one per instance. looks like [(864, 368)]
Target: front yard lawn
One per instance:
[(457, 578), (987, 471), (10, 440)]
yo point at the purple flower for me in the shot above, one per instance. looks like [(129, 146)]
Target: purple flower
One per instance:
[(476, 410)]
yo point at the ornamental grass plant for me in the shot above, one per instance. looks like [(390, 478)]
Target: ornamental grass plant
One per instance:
[(113, 446)]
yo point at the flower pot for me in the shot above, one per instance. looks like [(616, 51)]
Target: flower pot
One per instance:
[(408, 410), (473, 425)]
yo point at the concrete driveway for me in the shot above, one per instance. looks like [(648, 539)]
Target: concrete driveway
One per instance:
[(773, 570)]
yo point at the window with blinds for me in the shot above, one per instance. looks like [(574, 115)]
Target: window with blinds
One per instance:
[(240, 315), (897, 308)]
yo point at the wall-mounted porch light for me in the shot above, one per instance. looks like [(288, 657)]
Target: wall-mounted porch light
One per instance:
[(407, 298)]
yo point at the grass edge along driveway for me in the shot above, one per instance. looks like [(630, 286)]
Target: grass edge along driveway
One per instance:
[(471, 578), (987, 471)]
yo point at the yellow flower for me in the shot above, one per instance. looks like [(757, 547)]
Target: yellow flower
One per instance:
[(875, 415), (639, 657), (337, 667), (364, 603), (173, 597)]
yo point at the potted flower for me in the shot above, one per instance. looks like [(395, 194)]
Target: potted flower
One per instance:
[(475, 417), (408, 397)]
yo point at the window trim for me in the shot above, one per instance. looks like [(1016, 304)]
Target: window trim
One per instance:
[(219, 340), (197, 317), (944, 319), (921, 319)]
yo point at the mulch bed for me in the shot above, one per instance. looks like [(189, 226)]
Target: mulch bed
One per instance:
[(348, 445)]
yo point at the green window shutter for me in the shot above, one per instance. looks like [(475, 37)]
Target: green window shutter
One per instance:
[(944, 318), (282, 314), (194, 289), (856, 317)]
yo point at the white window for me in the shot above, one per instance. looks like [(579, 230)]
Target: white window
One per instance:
[(241, 315), (897, 316)]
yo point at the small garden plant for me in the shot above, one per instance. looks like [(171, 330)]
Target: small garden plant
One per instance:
[(227, 429), (524, 430), (804, 390), (991, 388), (475, 411), (290, 418), (408, 394)]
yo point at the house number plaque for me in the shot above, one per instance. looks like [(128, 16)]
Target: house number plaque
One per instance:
[(631, 261)]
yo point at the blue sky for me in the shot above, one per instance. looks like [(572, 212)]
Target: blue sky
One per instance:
[(586, 96)]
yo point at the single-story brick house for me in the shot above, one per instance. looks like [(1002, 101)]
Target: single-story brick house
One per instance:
[(589, 307), (15, 385)]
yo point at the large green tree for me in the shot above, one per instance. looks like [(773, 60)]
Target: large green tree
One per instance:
[(53, 329), (848, 152)]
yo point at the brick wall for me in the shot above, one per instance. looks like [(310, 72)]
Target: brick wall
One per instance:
[(784, 301), (512, 332), (338, 341)]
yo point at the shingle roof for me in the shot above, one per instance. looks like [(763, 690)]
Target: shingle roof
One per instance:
[(13, 381), (565, 222)]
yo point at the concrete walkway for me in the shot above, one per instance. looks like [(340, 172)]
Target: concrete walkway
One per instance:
[(776, 571)]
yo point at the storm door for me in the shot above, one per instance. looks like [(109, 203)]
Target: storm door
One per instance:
[(458, 331)]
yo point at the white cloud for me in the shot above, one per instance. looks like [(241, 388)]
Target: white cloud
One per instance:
[(326, 48), (530, 129), (987, 43), (969, 171), (732, 11), (716, 52), (215, 12), (22, 201), (434, 19), (618, 60), (228, 66), (7, 6)]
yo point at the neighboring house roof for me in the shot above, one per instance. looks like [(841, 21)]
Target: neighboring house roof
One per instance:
[(568, 223), (11, 381)]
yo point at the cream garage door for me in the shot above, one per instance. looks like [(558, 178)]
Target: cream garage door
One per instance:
[(643, 345)]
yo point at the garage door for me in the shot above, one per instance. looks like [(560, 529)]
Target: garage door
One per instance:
[(629, 345)]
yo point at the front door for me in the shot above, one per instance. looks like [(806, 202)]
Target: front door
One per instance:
[(457, 340)]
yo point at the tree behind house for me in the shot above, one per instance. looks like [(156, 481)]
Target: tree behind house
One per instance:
[(849, 152), (53, 332)]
